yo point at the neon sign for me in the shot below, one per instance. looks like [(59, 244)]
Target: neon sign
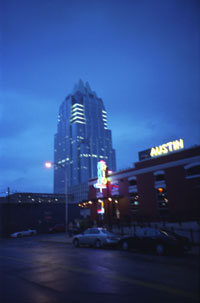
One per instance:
[(101, 174), (100, 209), (167, 148)]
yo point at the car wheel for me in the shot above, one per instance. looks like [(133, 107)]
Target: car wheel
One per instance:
[(76, 243), (160, 249), (98, 244), (125, 245)]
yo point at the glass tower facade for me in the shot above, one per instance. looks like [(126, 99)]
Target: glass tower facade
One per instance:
[(82, 139)]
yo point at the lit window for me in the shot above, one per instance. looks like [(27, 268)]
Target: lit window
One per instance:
[(76, 117), (79, 122), (77, 105), (134, 201), (77, 113)]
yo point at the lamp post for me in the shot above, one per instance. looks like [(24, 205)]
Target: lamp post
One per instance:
[(49, 165)]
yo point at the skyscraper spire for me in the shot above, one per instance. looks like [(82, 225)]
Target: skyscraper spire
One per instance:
[(82, 88), (79, 87), (88, 87)]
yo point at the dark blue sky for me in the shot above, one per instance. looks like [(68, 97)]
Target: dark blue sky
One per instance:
[(142, 57)]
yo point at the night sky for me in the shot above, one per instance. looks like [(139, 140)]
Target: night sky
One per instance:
[(142, 57)]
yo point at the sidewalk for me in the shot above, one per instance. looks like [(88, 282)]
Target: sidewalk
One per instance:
[(64, 238)]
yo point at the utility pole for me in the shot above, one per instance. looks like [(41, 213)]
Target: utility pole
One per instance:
[(8, 195), (109, 200), (49, 165), (8, 212)]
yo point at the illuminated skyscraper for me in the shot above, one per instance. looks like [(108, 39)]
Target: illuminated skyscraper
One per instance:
[(82, 139)]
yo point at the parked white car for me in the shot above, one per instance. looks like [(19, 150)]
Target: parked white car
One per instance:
[(96, 237), (24, 233)]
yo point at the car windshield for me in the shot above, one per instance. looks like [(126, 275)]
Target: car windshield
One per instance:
[(107, 232), (168, 233)]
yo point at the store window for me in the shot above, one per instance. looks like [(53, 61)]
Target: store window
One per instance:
[(132, 182), (192, 170), (159, 176)]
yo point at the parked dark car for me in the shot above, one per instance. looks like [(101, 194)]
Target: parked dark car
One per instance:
[(160, 241), (57, 228)]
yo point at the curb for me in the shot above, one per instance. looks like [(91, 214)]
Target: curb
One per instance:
[(189, 253)]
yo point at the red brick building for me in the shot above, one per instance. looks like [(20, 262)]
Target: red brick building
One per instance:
[(162, 187)]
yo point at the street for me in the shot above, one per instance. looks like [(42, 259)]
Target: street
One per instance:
[(35, 270)]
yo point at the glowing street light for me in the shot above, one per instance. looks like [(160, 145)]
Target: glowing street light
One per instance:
[(48, 164)]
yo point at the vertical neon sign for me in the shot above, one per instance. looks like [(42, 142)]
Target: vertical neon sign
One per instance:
[(101, 174)]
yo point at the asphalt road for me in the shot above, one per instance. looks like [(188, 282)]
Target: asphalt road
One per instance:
[(36, 271)]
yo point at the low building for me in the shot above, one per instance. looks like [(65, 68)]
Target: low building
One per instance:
[(20, 211), (163, 185)]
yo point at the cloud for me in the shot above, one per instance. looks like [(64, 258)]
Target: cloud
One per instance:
[(26, 140), (20, 112)]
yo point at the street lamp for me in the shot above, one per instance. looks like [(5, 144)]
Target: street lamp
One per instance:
[(49, 165)]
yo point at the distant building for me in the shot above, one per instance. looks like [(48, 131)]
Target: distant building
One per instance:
[(21, 211), (33, 198), (82, 139), (164, 185)]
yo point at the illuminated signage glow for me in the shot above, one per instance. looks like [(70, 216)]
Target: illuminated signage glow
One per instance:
[(101, 173), (100, 209), (167, 148)]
